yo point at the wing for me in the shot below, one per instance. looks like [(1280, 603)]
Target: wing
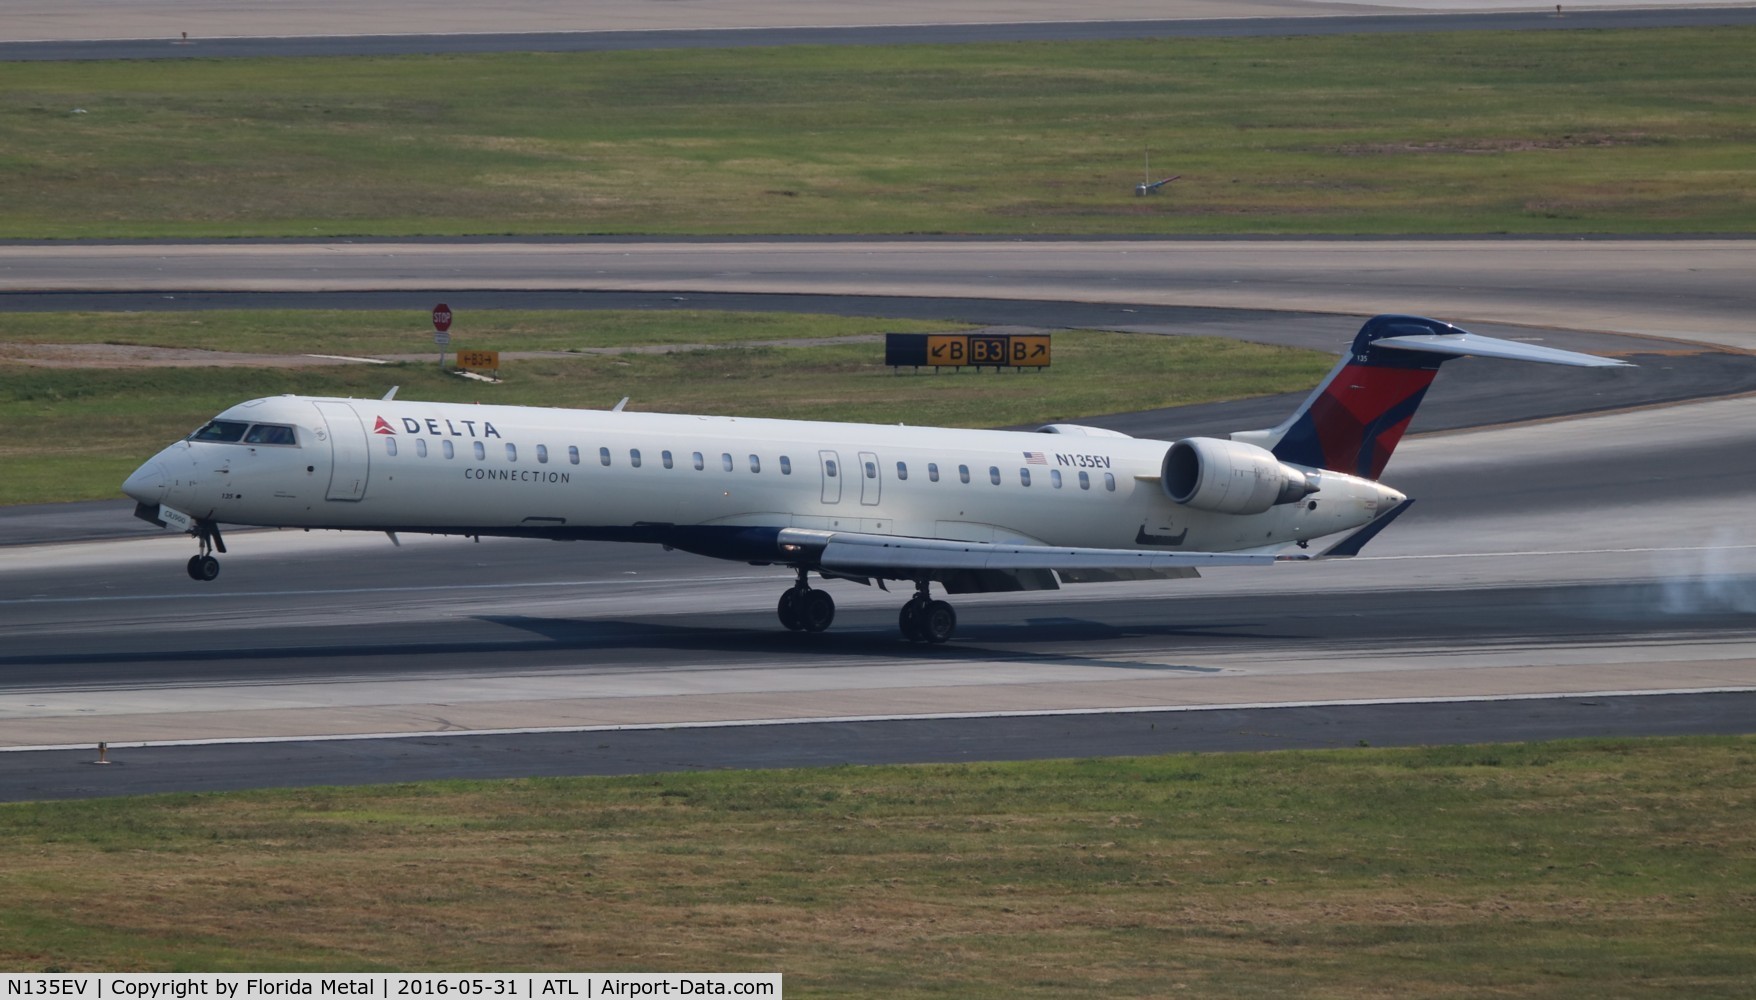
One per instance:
[(978, 567)]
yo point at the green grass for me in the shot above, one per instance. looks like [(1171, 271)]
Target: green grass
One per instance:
[(77, 432), (1581, 869), (1531, 132)]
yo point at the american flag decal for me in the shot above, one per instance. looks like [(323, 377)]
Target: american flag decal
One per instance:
[(1035, 458)]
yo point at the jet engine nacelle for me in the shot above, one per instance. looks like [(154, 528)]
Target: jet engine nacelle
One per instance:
[(1231, 477)]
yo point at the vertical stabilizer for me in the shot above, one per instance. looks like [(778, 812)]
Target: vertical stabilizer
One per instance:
[(1352, 421)]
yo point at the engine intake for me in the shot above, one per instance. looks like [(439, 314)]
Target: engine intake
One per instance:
[(1230, 477)]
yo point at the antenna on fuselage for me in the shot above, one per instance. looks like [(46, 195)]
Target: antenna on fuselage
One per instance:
[(392, 393), (618, 407)]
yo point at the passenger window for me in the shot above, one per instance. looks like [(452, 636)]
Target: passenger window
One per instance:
[(603, 456), (511, 452), (481, 452), (421, 447), (1055, 478), (871, 470), (270, 434), (700, 463), (573, 454), (221, 430), (902, 470), (932, 472), (755, 464), (829, 468), (994, 474), (542, 454), (786, 466), (1024, 476), (725, 460), (390, 446), (1084, 481), (634, 457), (963, 473), (448, 449), (666, 455), (1110, 481)]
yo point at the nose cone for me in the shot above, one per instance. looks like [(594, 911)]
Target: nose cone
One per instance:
[(147, 484)]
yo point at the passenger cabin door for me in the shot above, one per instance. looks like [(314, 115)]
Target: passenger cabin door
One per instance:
[(871, 479), (352, 462), (831, 463)]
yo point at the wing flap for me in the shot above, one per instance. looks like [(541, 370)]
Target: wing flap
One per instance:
[(902, 557)]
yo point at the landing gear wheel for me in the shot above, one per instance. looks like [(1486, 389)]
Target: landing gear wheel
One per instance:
[(789, 609), (938, 621), (816, 610), (203, 568), (911, 620)]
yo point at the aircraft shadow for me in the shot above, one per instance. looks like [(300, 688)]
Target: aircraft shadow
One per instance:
[(728, 644)]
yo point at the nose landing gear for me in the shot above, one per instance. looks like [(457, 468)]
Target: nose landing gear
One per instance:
[(205, 567)]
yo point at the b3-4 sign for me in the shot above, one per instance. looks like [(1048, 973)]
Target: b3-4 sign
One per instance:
[(479, 359)]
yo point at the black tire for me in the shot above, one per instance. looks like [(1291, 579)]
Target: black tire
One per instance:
[(194, 567), (938, 621), (204, 568), (816, 610), (910, 621), (789, 610)]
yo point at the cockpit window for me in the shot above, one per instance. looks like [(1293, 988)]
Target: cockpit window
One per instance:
[(270, 434), (221, 430)]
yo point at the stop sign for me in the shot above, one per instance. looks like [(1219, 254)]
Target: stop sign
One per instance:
[(441, 317)]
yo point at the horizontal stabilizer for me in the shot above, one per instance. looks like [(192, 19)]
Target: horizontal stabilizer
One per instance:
[(1356, 540), (1492, 347)]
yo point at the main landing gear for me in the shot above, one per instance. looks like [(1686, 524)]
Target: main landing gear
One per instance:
[(926, 620), (803, 609), (205, 567), (923, 619)]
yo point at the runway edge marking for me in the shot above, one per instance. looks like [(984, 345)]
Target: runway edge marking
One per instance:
[(922, 717)]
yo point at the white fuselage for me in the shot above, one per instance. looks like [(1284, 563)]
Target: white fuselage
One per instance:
[(448, 467)]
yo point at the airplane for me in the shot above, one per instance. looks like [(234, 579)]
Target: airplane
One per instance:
[(973, 511)]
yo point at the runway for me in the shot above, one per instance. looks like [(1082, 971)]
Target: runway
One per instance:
[(66, 774), (1606, 554), (1692, 289), (1543, 576), (41, 30)]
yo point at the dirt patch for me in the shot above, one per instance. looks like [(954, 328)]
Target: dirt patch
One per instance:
[(137, 356), (1494, 145)]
